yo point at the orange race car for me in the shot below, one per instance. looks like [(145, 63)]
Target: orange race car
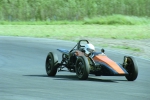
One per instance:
[(84, 60)]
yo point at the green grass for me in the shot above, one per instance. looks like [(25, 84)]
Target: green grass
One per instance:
[(64, 22), (74, 32)]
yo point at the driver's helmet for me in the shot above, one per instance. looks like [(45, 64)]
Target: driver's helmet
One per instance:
[(89, 48)]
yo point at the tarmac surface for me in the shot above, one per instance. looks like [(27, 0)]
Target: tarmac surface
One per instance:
[(23, 75)]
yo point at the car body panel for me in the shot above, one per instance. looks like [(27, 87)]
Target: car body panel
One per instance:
[(63, 51), (110, 63)]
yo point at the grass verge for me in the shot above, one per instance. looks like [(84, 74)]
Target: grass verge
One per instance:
[(75, 32)]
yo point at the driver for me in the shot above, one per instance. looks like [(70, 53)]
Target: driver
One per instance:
[(89, 48)]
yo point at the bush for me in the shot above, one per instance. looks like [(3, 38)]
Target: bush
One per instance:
[(117, 19)]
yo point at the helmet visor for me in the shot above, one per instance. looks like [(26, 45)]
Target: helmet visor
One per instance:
[(90, 50)]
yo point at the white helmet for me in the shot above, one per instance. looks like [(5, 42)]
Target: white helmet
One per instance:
[(89, 48)]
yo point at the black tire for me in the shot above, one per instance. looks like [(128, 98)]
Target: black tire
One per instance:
[(130, 65), (82, 68), (51, 64)]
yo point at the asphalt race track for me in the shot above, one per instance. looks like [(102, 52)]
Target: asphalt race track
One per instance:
[(23, 76)]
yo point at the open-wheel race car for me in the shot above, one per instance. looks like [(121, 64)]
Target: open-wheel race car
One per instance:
[(84, 60)]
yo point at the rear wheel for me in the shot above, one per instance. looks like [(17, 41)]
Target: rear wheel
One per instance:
[(82, 68), (131, 67), (51, 64)]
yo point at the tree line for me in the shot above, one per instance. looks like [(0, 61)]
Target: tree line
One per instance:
[(46, 10)]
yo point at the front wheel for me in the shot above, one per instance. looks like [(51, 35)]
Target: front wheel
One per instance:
[(82, 68), (51, 64), (130, 65)]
